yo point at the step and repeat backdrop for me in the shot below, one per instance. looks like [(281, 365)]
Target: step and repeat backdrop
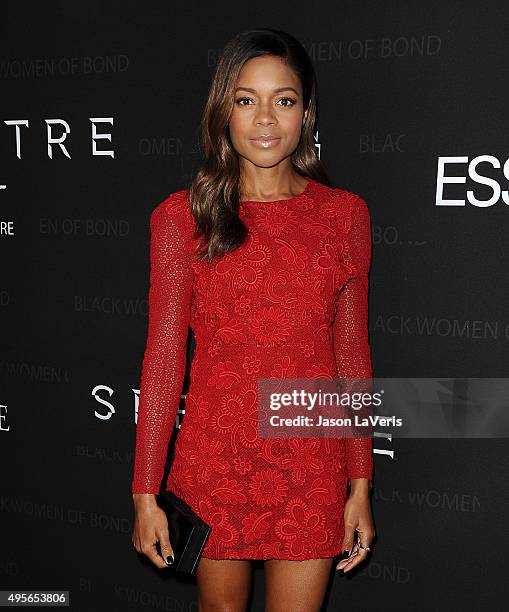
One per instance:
[(100, 109)]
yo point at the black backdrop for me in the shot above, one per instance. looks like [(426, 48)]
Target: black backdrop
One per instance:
[(403, 84)]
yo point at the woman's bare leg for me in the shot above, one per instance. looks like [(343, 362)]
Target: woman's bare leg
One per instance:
[(299, 586), (223, 585)]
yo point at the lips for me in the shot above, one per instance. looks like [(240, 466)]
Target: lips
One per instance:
[(265, 141)]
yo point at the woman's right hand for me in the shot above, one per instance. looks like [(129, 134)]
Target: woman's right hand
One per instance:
[(151, 526)]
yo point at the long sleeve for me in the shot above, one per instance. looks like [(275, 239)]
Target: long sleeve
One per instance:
[(350, 330), (164, 361)]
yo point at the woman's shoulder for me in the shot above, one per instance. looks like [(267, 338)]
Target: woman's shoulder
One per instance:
[(175, 204), (349, 205), (172, 218), (177, 208), (348, 198)]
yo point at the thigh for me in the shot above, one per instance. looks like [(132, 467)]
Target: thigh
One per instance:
[(299, 586), (223, 585)]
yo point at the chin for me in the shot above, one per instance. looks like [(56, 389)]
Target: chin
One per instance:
[(265, 158), (265, 161)]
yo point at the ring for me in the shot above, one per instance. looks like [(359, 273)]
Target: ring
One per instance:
[(365, 547)]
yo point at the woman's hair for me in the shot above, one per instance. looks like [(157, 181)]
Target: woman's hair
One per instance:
[(214, 192)]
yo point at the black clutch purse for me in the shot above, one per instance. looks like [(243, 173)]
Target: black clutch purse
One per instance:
[(188, 532)]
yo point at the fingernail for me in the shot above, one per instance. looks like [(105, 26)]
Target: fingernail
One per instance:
[(169, 559)]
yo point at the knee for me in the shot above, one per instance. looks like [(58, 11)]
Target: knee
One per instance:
[(219, 603)]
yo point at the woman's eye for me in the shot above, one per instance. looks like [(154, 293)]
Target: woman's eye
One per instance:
[(291, 100), (241, 100)]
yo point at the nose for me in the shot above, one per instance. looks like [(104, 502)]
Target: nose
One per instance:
[(265, 115)]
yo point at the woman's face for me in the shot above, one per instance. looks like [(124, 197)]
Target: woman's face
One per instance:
[(268, 102)]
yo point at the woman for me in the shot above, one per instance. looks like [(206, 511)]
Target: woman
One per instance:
[(269, 265)]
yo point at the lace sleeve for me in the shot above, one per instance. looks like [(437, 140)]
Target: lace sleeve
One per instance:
[(350, 330), (164, 361)]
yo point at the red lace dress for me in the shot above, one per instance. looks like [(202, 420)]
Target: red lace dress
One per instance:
[(290, 302)]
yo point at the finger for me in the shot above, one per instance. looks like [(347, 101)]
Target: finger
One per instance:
[(365, 538), (361, 553), (348, 546), (349, 561), (136, 544), (348, 539), (364, 535), (359, 558), (344, 562), (150, 551), (355, 560), (166, 548)]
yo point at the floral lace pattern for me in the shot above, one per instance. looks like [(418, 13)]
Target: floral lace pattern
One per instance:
[(291, 302)]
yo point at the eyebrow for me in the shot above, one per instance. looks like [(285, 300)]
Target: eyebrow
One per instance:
[(278, 90)]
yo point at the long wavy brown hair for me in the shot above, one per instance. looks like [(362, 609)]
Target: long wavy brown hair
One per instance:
[(214, 193)]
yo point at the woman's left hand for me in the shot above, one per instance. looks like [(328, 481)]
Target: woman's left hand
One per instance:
[(357, 517)]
